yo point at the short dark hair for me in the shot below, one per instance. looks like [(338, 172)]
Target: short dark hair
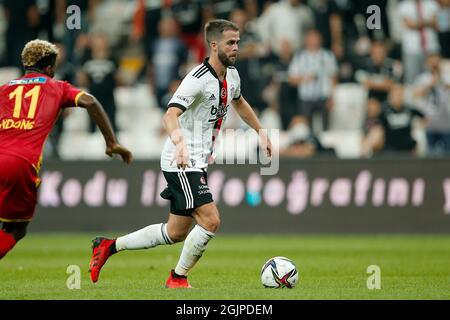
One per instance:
[(215, 28), (48, 61)]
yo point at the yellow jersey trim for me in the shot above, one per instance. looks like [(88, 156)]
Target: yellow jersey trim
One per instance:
[(78, 96), (14, 220)]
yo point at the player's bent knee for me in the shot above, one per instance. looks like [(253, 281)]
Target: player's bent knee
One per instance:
[(212, 224), (208, 217), (177, 236)]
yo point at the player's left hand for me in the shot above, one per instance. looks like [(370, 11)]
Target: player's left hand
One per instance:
[(126, 154)]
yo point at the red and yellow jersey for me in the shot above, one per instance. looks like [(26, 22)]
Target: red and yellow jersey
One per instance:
[(29, 107)]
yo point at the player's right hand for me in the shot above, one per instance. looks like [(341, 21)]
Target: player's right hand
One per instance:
[(181, 155), (126, 154)]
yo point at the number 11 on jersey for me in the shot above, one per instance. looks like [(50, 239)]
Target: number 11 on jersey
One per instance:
[(18, 93)]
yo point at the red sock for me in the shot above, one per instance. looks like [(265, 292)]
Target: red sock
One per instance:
[(7, 242)]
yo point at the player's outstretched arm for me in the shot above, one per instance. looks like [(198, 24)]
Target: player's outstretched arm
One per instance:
[(98, 114), (247, 114)]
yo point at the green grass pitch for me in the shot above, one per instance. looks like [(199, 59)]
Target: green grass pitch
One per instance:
[(330, 267)]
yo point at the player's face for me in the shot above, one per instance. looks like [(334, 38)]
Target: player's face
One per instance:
[(228, 47)]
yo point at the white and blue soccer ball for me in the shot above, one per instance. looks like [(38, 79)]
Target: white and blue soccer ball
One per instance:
[(279, 272)]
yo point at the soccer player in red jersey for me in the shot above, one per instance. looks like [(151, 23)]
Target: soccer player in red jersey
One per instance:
[(29, 107)]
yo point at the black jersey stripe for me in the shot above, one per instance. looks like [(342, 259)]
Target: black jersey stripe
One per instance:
[(201, 69), (201, 74)]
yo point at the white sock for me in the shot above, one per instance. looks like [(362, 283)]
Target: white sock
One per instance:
[(148, 237), (194, 246)]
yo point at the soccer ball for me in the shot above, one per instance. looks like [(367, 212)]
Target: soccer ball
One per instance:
[(279, 272)]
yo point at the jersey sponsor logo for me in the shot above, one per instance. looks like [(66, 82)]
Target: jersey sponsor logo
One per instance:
[(37, 80), (219, 112), (182, 98), (17, 124)]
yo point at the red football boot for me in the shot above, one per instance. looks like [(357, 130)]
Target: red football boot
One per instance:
[(102, 249), (177, 281)]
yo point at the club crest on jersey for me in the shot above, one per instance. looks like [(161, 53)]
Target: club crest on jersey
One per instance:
[(202, 180), (192, 162)]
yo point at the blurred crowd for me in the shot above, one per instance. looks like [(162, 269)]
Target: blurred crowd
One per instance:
[(336, 78)]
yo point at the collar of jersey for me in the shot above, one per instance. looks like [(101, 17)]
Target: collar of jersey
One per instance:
[(211, 69), (34, 73)]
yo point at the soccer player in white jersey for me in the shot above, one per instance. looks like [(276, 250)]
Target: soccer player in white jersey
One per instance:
[(193, 119)]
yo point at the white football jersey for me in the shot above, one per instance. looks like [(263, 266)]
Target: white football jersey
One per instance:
[(205, 101)]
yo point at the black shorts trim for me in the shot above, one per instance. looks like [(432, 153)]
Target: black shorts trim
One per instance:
[(186, 191)]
